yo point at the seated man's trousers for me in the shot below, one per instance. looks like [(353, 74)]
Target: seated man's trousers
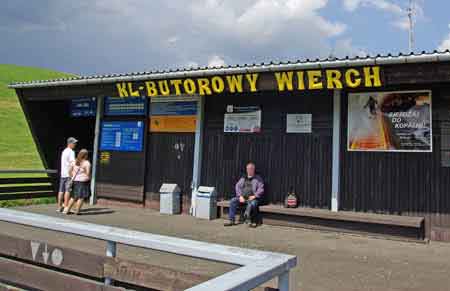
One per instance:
[(251, 208)]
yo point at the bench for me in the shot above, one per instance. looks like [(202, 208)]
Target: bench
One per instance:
[(369, 223)]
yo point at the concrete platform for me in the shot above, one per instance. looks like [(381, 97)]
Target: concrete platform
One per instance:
[(328, 261)]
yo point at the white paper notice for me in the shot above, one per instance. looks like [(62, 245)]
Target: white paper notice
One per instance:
[(298, 123), (243, 122)]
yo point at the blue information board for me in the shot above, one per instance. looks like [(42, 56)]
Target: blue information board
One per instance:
[(124, 136), (126, 106), (174, 108), (83, 107)]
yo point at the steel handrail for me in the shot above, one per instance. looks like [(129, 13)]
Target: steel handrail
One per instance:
[(257, 267)]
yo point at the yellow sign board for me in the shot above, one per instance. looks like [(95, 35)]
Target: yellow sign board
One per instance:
[(294, 80), (105, 157), (173, 123)]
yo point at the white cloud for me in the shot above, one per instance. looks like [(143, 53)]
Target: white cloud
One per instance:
[(266, 20), (103, 36), (402, 23), (398, 11), (346, 47), (388, 6), (445, 43), (249, 31), (216, 61)]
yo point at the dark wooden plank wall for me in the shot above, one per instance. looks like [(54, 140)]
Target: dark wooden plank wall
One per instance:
[(166, 164), (399, 183), (52, 125), (124, 175), (301, 161)]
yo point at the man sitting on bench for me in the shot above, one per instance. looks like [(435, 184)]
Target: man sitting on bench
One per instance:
[(249, 191)]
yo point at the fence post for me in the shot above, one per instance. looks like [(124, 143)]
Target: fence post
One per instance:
[(110, 252), (283, 282)]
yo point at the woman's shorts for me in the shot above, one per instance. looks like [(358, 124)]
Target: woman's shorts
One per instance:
[(81, 190)]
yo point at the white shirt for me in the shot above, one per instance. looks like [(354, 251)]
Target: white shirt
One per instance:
[(67, 159)]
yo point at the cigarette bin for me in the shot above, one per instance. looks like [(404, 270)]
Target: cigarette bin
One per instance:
[(206, 203), (169, 202)]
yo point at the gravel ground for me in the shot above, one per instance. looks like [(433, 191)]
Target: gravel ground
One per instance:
[(327, 261)]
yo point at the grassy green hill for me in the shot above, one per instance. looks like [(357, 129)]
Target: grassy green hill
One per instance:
[(17, 149)]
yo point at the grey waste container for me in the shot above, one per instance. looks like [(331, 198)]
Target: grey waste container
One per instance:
[(206, 203), (169, 202)]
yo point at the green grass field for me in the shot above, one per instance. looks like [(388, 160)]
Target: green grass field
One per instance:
[(17, 149)]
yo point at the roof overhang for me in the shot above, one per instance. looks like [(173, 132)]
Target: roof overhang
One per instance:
[(207, 71)]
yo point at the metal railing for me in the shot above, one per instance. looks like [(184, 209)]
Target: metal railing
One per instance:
[(256, 267)]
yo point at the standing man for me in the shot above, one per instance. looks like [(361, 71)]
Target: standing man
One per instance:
[(249, 191), (67, 160)]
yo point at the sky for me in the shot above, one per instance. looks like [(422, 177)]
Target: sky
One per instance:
[(91, 37)]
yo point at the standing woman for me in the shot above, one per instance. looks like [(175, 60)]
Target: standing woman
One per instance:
[(81, 175)]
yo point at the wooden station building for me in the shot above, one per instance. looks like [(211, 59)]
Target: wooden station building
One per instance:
[(359, 140)]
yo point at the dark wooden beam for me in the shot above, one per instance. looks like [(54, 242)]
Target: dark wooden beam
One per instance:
[(40, 278), (20, 180), (72, 260), (151, 276), (27, 188)]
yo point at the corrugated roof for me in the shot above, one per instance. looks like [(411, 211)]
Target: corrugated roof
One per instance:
[(435, 56)]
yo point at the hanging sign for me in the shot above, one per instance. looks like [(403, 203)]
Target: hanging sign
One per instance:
[(173, 116), (298, 123), (246, 119), (125, 136), (125, 106), (390, 121), (83, 107)]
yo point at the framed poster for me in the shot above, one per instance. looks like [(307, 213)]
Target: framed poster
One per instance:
[(83, 107), (116, 106), (390, 121), (242, 119), (123, 136), (299, 123)]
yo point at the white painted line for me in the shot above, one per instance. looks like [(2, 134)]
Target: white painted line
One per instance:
[(34, 248)]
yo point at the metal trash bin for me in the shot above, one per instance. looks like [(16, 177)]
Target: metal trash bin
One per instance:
[(169, 202), (206, 203)]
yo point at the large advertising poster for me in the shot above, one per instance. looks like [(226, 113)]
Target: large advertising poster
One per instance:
[(390, 121)]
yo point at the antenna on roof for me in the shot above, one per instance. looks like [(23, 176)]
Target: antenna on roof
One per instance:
[(411, 12)]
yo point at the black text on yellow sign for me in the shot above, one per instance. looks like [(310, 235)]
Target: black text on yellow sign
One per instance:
[(238, 83)]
